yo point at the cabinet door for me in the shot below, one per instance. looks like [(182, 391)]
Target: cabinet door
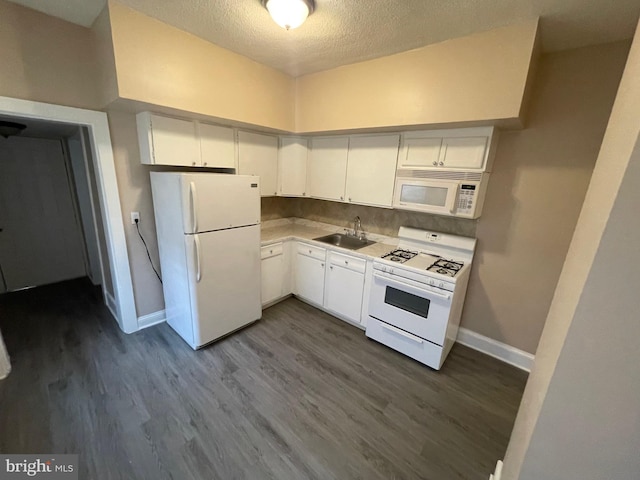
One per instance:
[(309, 278), (174, 142), (371, 169), (217, 147), (258, 155), (292, 166), (327, 167), (344, 286), (420, 152), (272, 276), (463, 152)]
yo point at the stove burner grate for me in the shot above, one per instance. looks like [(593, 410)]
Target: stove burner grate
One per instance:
[(399, 255), (446, 267)]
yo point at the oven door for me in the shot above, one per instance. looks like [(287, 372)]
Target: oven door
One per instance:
[(411, 306), (433, 196)]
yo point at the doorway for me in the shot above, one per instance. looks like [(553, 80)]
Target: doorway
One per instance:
[(95, 135), (47, 228)]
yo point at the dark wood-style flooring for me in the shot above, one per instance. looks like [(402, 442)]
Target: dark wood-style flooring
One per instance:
[(298, 395)]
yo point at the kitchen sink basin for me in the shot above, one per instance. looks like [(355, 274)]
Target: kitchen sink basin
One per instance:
[(344, 241)]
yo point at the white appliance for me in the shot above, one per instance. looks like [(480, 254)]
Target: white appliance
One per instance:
[(417, 294), (208, 229), (453, 193)]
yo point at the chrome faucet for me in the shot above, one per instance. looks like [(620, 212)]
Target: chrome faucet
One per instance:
[(357, 228)]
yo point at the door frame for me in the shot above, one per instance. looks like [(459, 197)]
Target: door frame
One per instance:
[(122, 304)]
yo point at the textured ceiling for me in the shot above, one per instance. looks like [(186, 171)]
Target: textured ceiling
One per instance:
[(340, 32)]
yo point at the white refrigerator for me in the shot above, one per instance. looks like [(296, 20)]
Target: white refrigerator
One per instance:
[(208, 228)]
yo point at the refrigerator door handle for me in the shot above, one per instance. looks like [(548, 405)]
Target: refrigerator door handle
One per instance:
[(194, 206), (196, 241)]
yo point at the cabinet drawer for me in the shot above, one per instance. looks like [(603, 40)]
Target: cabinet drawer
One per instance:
[(269, 251), (311, 251), (351, 263)]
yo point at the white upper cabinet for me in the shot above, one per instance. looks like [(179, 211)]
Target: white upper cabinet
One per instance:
[(217, 146), (464, 148), (292, 166), (371, 169), (167, 141), (327, 167), (258, 155)]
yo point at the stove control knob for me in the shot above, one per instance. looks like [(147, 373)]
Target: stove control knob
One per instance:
[(432, 281), (441, 284)]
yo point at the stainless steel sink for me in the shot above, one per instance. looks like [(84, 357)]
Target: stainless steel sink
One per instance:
[(344, 241)]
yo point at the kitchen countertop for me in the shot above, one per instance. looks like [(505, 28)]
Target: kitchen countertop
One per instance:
[(280, 230)]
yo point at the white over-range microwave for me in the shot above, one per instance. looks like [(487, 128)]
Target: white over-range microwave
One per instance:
[(458, 194)]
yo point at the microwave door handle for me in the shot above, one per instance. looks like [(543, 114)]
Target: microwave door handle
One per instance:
[(452, 199)]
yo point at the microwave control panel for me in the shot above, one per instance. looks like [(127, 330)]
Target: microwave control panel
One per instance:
[(466, 199)]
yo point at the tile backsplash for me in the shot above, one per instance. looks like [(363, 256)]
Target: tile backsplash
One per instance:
[(383, 221)]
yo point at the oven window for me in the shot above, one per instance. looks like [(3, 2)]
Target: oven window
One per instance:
[(407, 302), (422, 195)]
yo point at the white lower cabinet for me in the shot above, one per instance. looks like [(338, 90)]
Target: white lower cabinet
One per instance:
[(309, 273), (344, 286), (273, 272)]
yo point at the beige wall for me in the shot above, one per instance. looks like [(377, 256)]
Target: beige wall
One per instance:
[(161, 65), (476, 78), (45, 59), (578, 418), (536, 190), (135, 196)]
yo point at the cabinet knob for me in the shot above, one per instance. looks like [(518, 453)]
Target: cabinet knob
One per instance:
[(193, 163), (322, 264), (441, 163), (331, 267), (349, 198), (435, 164), (205, 164), (341, 198), (275, 193), (304, 194), (270, 251), (346, 262)]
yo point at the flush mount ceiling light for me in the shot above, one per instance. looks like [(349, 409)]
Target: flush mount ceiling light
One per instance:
[(7, 129), (289, 14)]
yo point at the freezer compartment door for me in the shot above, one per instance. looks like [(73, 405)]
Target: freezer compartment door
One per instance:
[(224, 276), (213, 201)]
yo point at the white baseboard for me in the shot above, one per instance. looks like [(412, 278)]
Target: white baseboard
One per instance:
[(498, 473), (508, 354), (111, 304), (151, 319)]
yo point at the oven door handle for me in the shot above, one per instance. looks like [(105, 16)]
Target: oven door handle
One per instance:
[(409, 283)]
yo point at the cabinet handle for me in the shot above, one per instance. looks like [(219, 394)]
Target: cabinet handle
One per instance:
[(435, 164)]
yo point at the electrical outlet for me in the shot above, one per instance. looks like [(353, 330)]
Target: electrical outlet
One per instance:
[(135, 216)]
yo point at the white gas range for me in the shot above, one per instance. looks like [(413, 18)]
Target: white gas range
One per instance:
[(417, 294)]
